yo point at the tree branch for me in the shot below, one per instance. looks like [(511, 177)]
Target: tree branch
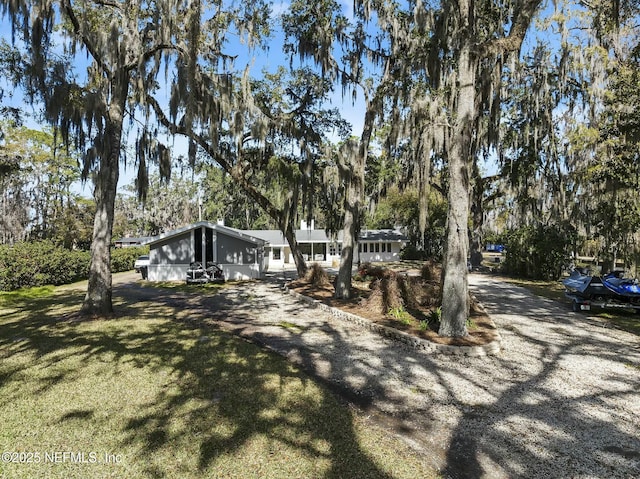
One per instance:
[(104, 3), (152, 51), (519, 27), (233, 170), (68, 10)]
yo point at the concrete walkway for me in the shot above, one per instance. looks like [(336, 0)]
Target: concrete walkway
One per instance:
[(562, 399)]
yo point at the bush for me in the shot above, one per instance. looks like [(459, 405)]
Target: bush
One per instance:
[(122, 259), (410, 252), (40, 263), (539, 251)]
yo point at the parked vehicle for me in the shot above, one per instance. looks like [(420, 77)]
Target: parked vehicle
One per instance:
[(609, 291), (197, 274), (142, 265), (495, 248)]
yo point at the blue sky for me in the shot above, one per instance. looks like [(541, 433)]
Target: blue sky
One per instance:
[(258, 60)]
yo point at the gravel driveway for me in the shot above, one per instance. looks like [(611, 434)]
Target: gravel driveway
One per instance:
[(562, 398)]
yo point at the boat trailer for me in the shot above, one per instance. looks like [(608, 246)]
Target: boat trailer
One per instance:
[(611, 291)]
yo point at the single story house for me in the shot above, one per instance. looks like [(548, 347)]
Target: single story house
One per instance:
[(240, 255), (317, 246), (380, 245)]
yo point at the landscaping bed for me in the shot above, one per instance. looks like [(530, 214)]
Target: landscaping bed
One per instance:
[(399, 300)]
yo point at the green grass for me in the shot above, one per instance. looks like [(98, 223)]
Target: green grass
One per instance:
[(25, 294), (162, 399)]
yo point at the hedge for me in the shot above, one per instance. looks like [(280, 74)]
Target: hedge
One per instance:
[(40, 263), (122, 259), (539, 251)]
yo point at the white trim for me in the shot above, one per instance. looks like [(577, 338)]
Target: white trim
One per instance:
[(207, 224), (241, 272)]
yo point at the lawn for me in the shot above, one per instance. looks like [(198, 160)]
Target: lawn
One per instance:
[(145, 395)]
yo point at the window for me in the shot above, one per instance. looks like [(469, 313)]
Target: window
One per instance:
[(335, 249), (277, 254), (377, 247), (384, 247), (365, 247)]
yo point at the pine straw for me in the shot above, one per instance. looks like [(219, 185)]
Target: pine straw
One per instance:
[(415, 297), (317, 275)]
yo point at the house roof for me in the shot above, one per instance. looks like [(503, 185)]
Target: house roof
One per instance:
[(216, 227), (133, 240), (276, 238), (382, 236)]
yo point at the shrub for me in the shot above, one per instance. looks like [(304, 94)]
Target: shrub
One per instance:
[(400, 314), (436, 315), (411, 252), (40, 263), (122, 259), (539, 251)]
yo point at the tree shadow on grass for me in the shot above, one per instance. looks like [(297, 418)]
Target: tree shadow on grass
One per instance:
[(513, 420), (214, 396)]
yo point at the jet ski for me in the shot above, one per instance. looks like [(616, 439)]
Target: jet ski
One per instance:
[(609, 291), (620, 286), (586, 286)]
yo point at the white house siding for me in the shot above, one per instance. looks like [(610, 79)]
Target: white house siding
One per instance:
[(239, 272), (178, 272), (373, 252), (236, 251), (273, 261), (167, 272)]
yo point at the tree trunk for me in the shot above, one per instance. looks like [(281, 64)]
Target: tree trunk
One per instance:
[(98, 300), (423, 197), (349, 241), (455, 290), (477, 217), (301, 265), (352, 163)]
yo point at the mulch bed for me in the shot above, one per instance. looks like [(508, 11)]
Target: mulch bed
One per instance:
[(481, 331)]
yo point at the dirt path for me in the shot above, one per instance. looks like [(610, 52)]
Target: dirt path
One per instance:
[(561, 400)]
